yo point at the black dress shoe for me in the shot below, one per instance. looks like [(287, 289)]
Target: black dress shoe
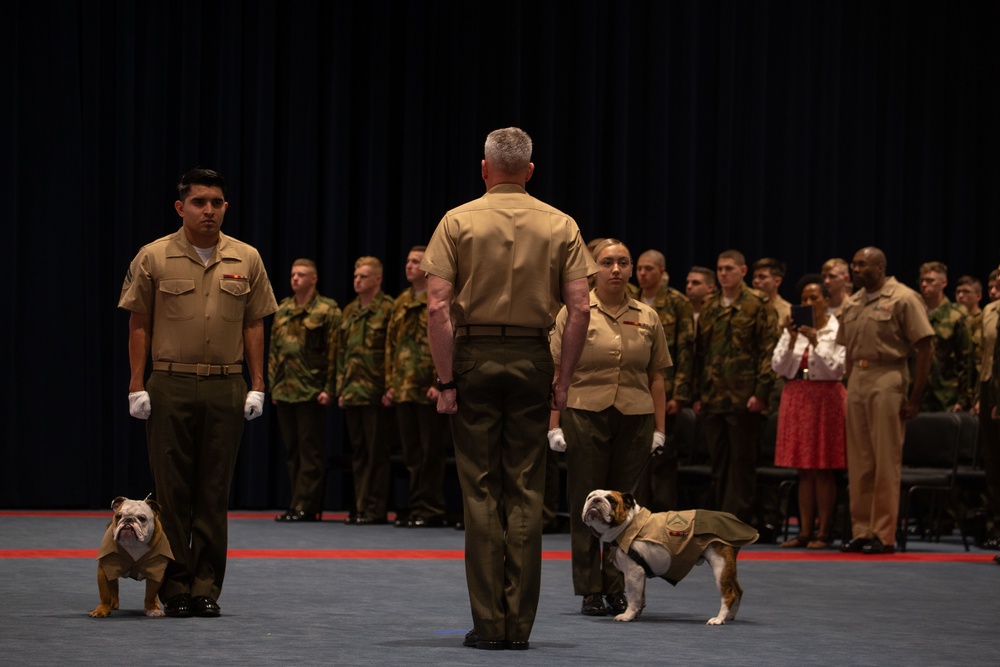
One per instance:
[(178, 606), (351, 520), (991, 544), (618, 603), (426, 522), (516, 646), (876, 548), (401, 522), (296, 516), (371, 521), (205, 606), (473, 640), (593, 605), (855, 546)]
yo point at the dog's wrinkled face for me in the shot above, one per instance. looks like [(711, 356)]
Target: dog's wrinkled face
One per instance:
[(135, 520), (604, 510)]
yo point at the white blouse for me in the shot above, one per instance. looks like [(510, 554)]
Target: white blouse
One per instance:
[(826, 360)]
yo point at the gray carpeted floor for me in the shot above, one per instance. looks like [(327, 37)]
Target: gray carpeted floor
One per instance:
[(902, 610)]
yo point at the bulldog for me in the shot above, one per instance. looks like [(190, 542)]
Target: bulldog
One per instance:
[(668, 545), (134, 546)]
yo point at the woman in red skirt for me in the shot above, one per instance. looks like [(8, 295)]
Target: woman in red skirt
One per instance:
[(812, 414)]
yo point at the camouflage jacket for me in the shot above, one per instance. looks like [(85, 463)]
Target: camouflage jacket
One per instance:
[(948, 382), (302, 358), (733, 349), (975, 327), (677, 318), (409, 369), (361, 351)]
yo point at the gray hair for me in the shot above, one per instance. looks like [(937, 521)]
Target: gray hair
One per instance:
[(508, 150)]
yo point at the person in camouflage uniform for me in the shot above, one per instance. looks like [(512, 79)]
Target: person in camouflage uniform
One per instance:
[(411, 386), (677, 317), (948, 386), (360, 388), (301, 371), (768, 274), (837, 280), (735, 338), (968, 295)]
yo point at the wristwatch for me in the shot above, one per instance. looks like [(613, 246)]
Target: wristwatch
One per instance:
[(442, 386)]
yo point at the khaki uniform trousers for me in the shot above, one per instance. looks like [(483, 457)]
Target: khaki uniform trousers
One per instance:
[(875, 435), (302, 430), (604, 450), (368, 432), (193, 436), (504, 386)]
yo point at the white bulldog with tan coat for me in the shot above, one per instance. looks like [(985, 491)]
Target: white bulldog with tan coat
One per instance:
[(668, 545), (134, 546)]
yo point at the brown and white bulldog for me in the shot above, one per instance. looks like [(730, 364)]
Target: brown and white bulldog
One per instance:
[(134, 546), (668, 545)]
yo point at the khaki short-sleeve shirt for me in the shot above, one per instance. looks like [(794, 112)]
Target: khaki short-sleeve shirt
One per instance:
[(198, 311), (624, 345), (988, 341), (885, 328), (508, 256)]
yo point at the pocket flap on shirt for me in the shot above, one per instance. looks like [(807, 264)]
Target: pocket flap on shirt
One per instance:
[(235, 287), (177, 285)]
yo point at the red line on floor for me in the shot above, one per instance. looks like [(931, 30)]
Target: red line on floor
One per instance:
[(457, 554), (102, 514)]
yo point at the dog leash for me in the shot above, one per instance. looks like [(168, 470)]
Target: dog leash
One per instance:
[(652, 454), (632, 553)]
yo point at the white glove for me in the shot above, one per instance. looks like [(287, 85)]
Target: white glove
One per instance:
[(557, 441), (658, 440), (138, 404), (254, 406)]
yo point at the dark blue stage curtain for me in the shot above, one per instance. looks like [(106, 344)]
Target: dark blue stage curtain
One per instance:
[(795, 129)]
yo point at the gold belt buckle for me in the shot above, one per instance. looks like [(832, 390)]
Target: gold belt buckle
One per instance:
[(864, 363), (204, 369)]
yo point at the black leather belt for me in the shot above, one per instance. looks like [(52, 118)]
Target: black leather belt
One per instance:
[(198, 369), (501, 330)]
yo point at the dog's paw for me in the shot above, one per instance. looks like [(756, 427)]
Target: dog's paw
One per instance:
[(102, 611), (718, 620), (155, 613), (625, 617)]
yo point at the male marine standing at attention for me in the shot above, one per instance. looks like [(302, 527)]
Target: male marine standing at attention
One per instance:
[(880, 325), (498, 270), (410, 385), (302, 375), (360, 387), (677, 318), (198, 299), (736, 335)]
